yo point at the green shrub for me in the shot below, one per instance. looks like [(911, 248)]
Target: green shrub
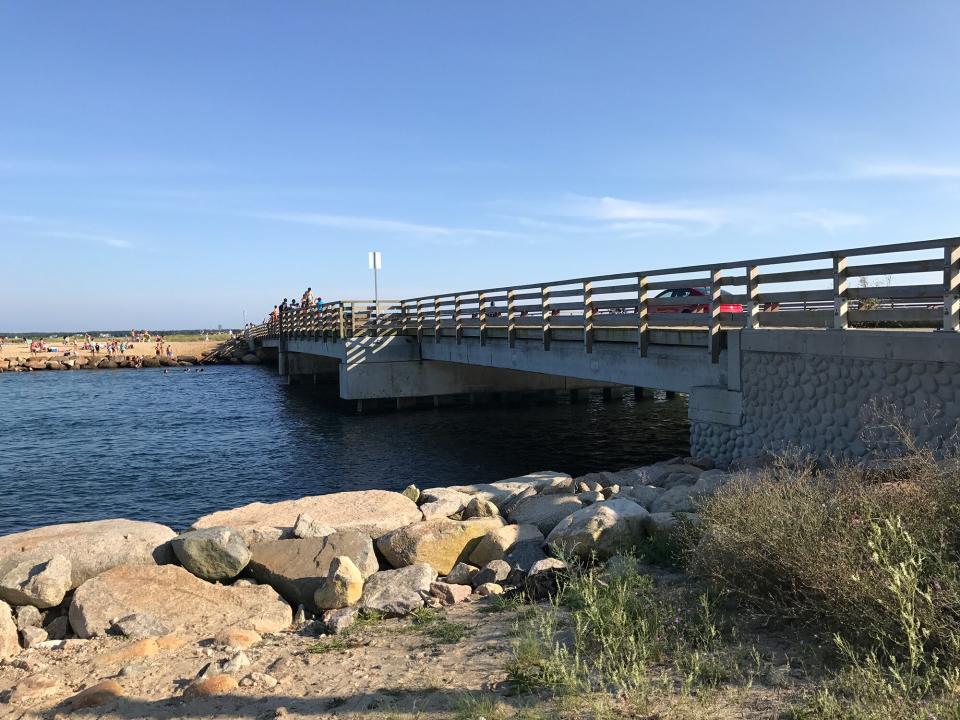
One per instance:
[(870, 558), (616, 631)]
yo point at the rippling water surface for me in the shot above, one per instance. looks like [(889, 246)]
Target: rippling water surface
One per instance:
[(141, 444)]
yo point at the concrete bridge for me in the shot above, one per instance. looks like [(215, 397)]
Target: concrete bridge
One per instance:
[(774, 351)]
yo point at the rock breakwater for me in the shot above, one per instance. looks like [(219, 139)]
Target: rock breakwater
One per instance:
[(324, 562)]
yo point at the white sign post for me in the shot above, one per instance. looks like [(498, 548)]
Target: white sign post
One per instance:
[(373, 259)]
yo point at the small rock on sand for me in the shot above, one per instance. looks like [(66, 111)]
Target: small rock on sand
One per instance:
[(33, 688), (215, 685), (96, 695), (489, 589), (397, 592), (450, 594), (235, 637)]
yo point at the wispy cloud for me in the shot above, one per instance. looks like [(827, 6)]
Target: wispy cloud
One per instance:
[(357, 223), (829, 220), (612, 208), (109, 168), (61, 230), (620, 218), (907, 171), (108, 240)]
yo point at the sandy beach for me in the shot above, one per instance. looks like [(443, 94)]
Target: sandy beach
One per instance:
[(146, 349)]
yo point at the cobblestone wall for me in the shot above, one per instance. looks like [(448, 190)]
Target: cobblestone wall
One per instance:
[(827, 405)]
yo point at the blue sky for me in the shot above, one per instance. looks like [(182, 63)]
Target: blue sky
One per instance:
[(173, 164)]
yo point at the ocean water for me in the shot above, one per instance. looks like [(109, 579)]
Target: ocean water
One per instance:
[(88, 445)]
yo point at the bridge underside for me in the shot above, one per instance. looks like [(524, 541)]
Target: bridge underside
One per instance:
[(831, 393), (401, 367)]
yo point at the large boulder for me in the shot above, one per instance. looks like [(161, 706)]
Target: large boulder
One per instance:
[(676, 499), (373, 512), (217, 553), (479, 507), (342, 587), (644, 495), (708, 483), (398, 592), (93, 547), (496, 543), (504, 492), (663, 523), (307, 527), (34, 579), (179, 600), (297, 568), (544, 511), (602, 529), (524, 555), (9, 642), (649, 475), (439, 543), (442, 502), (537, 480)]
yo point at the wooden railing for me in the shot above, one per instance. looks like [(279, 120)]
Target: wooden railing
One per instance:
[(334, 320), (823, 289)]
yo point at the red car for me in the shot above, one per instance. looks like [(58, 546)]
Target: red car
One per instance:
[(697, 308)]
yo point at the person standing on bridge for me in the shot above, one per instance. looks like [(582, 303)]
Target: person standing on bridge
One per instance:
[(308, 299)]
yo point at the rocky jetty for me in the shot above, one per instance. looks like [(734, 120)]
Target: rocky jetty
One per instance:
[(316, 563)]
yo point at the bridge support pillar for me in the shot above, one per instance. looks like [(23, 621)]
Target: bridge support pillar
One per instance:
[(613, 393), (641, 393)]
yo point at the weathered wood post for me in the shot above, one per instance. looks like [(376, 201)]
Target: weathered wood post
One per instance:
[(951, 288), (713, 322), (643, 316), (341, 326), (840, 297), (437, 319), (511, 318), (588, 316), (458, 317), (483, 318), (545, 315), (753, 297), (420, 321)]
